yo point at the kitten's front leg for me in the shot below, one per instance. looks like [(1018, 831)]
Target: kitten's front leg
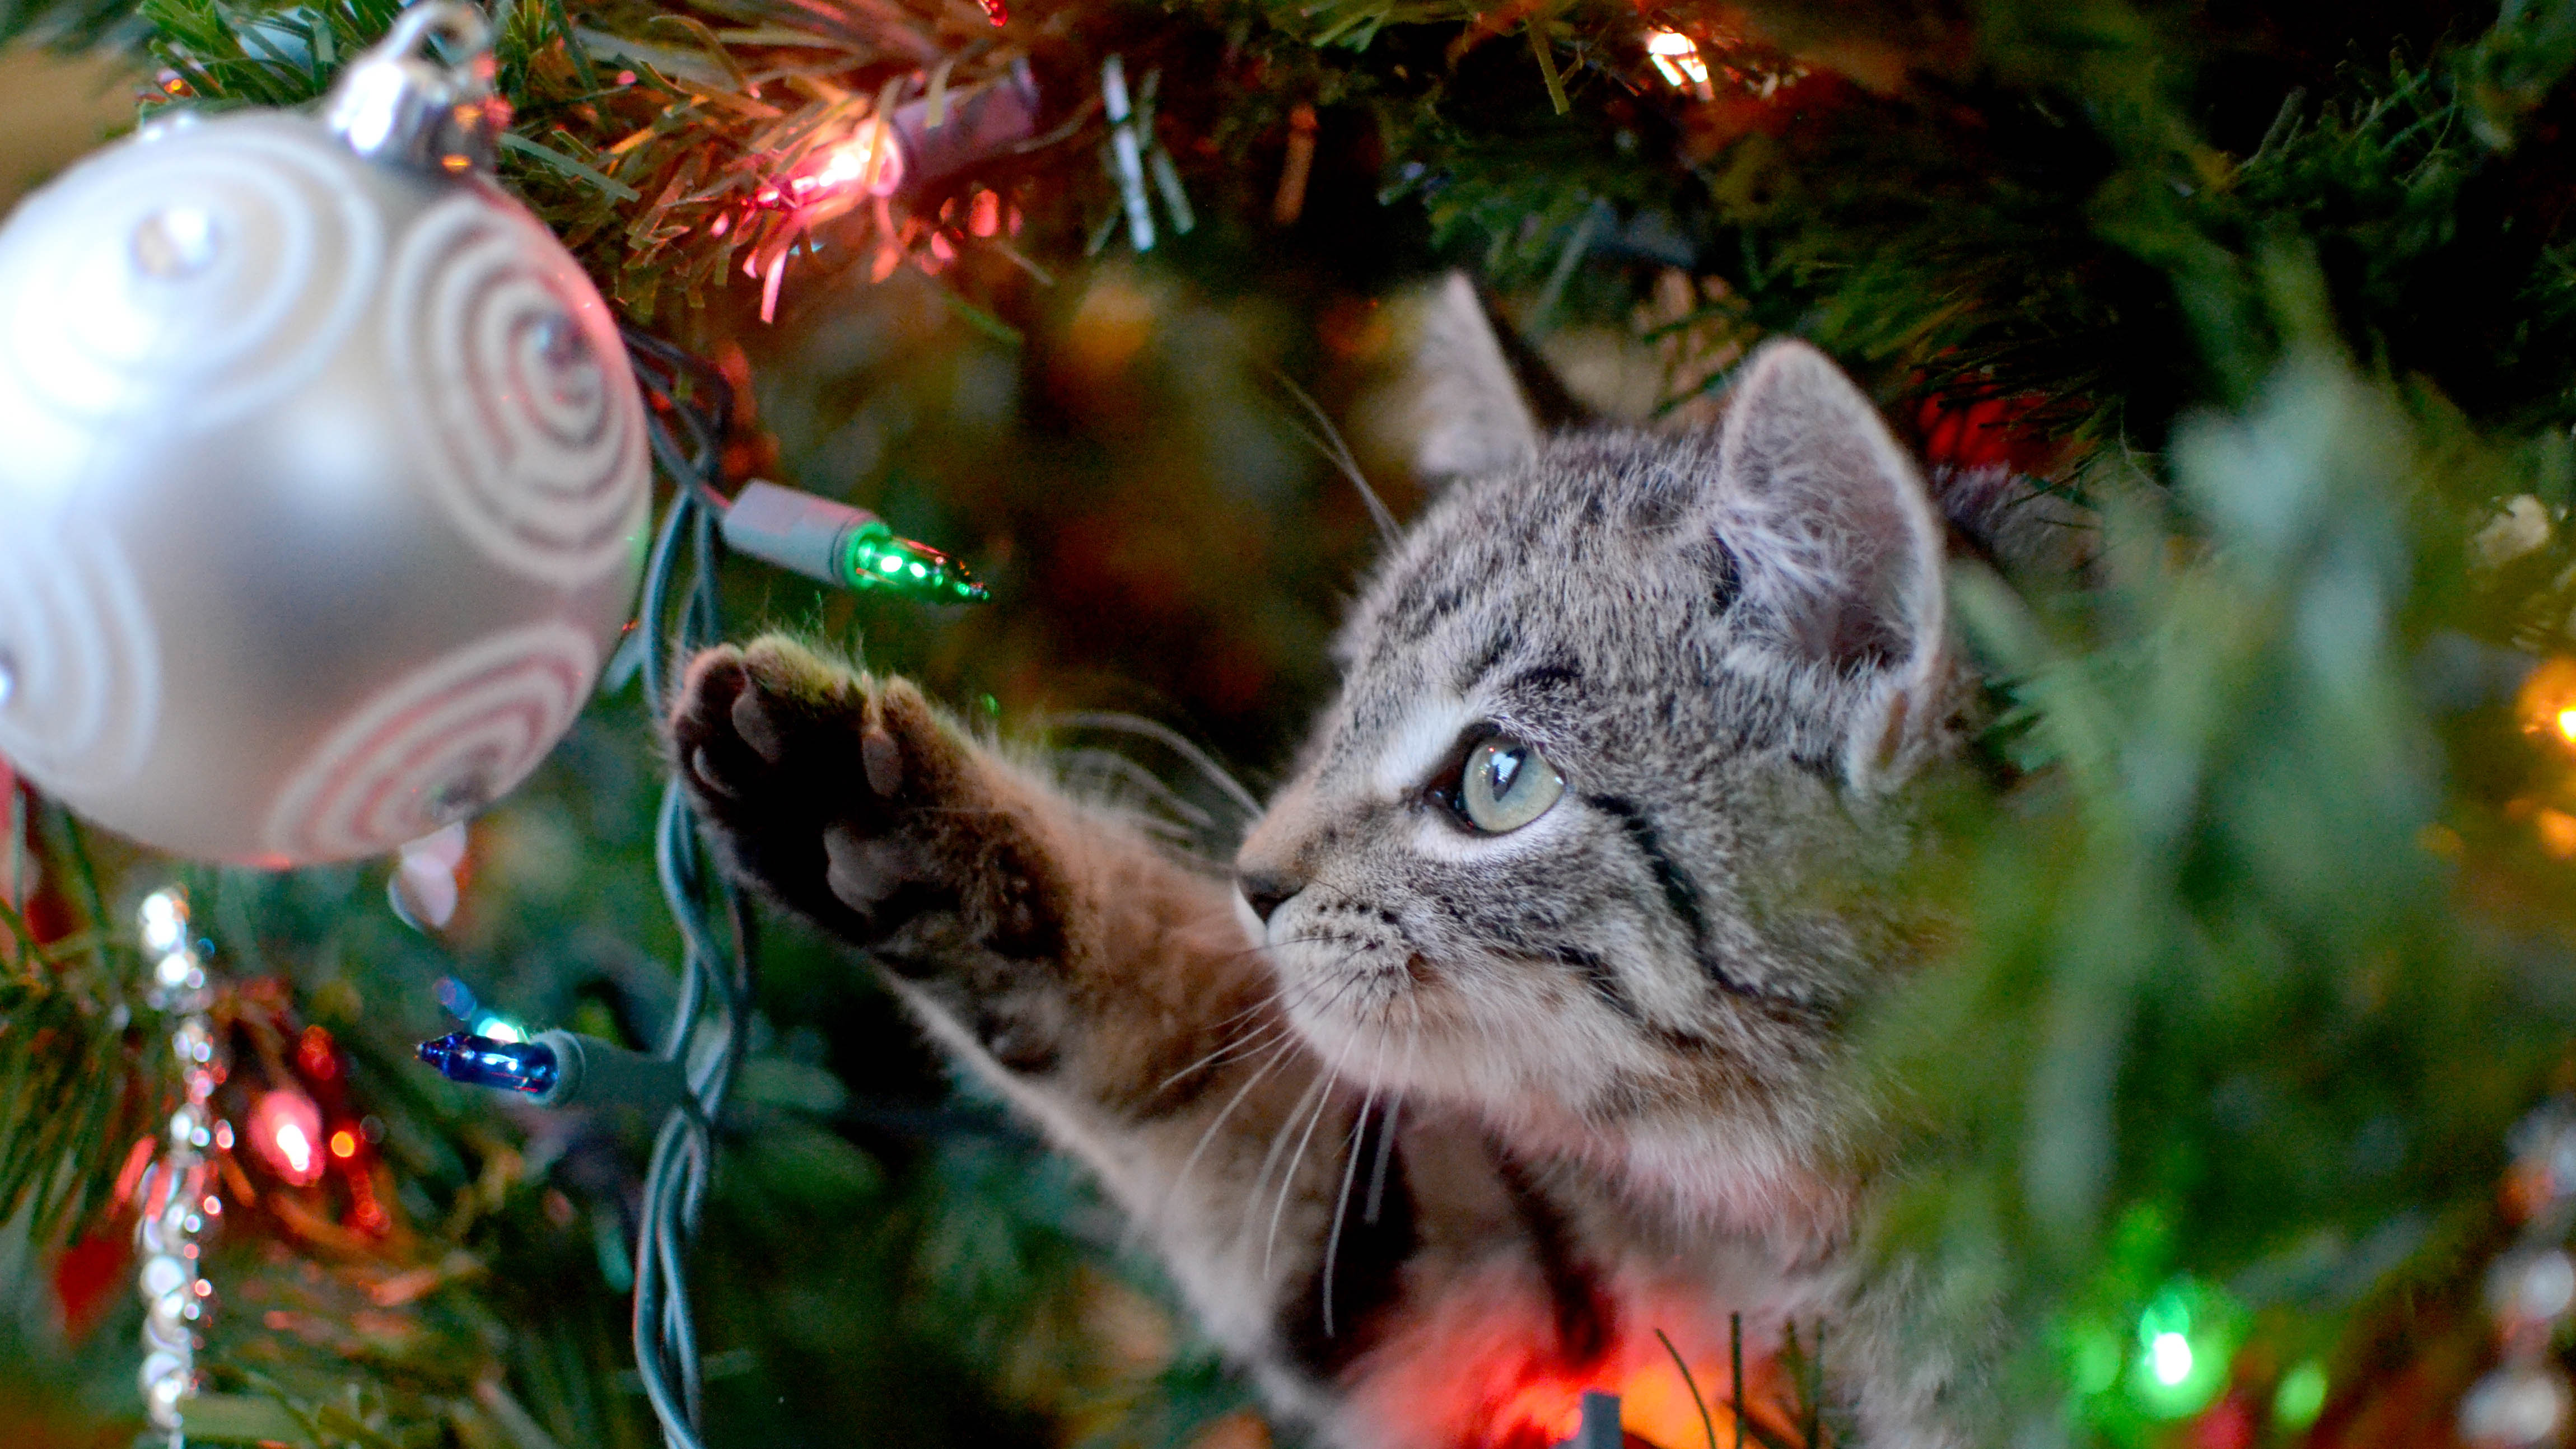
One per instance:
[(843, 797), (1054, 945)]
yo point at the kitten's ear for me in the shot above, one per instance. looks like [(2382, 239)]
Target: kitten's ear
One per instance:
[(1838, 548), (1454, 407)]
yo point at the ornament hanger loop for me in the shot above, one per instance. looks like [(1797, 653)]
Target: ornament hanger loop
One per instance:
[(393, 104), (460, 25)]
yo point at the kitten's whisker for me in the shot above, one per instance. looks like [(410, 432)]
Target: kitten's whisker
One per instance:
[(1169, 739), (1267, 998), (1277, 1054), (1303, 993), (1272, 946), (1246, 1039), (1338, 453), (1273, 1002), (1275, 945), (1315, 1089), (1109, 765), (1241, 1040), (1288, 1179), (1350, 1171), (1385, 1154), (1342, 1204), (1318, 1092)]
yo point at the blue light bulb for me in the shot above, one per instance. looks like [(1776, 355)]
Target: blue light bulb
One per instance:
[(482, 1062)]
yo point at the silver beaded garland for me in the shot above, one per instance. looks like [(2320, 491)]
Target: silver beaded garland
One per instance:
[(2526, 1401), (179, 1205)]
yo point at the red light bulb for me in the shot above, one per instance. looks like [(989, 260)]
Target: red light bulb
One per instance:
[(286, 1131)]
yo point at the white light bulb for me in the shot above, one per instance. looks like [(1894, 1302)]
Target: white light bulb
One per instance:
[(165, 921), (2169, 1358), (296, 1148)]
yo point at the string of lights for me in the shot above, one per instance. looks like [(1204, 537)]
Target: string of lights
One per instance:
[(688, 1078), (692, 411)]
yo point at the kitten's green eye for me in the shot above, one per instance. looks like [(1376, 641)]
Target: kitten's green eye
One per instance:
[(1506, 785)]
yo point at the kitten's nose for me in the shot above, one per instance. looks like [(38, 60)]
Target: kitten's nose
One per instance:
[(1265, 893)]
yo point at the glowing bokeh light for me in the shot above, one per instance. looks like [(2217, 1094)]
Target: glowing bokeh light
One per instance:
[(870, 160), (1677, 56), (295, 1147), (1656, 1405), (2546, 703), (2092, 1357), (2169, 1358), (165, 920), (286, 1131), (2301, 1397), (2187, 1336)]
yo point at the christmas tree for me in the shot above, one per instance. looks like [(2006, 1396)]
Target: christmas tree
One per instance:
[(2245, 1085)]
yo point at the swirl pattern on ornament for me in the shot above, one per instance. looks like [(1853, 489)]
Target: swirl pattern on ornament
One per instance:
[(191, 278), (437, 745), (82, 663), (524, 408)]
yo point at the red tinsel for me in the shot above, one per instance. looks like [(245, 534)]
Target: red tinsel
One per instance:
[(1987, 432)]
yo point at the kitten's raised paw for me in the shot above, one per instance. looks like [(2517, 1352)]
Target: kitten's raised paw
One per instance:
[(839, 793)]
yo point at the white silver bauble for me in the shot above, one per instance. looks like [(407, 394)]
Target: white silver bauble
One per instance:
[(324, 486)]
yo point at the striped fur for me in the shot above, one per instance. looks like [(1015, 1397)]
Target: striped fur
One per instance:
[(1468, 1121)]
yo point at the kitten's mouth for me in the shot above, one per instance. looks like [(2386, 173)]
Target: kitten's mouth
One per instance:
[(1353, 983)]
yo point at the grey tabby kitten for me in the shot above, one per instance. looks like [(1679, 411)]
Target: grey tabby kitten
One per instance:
[(1513, 1039)]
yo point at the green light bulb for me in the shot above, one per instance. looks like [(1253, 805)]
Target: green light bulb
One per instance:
[(877, 559), (2186, 1336), (2301, 1397), (2092, 1353)]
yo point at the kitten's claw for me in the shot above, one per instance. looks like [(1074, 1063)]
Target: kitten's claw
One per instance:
[(846, 798), (717, 682), (883, 761), (703, 770), (752, 721)]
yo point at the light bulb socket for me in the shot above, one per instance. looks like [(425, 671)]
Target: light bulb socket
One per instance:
[(594, 1073), (796, 531), (970, 130), (837, 544)]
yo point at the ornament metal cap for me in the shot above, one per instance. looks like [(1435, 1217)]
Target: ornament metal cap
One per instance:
[(393, 104)]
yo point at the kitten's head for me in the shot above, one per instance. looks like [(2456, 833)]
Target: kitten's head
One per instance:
[(1618, 742)]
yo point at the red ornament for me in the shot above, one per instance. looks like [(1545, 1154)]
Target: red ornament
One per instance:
[(995, 10), (2229, 1424), (88, 1272), (87, 1276), (24, 886), (316, 1058), (13, 827)]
